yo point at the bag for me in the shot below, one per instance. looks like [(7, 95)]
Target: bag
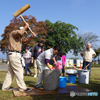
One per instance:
[(23, 62), (58, 65)]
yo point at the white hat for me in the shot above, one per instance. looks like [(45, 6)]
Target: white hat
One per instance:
[(21, 28)]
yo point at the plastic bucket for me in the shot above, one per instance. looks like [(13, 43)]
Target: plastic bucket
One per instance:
[(83, 76), (72, 79), (62, 82)]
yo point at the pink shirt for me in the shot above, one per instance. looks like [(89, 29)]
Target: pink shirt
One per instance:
[(63, 59)]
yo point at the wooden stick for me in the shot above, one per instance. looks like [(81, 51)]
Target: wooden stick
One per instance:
[(25, 22), (86, 66)]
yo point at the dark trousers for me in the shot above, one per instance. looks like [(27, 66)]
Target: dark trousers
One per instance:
[(63, 70), (85, 63)]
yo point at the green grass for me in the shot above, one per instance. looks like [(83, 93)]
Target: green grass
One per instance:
[(2, 63), (94, 85)]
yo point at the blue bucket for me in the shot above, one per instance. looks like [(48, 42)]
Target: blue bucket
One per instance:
[(72, 79), (62, 82)]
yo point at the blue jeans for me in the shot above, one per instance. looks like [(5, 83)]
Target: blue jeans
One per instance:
[(27, 69), (85, 63)]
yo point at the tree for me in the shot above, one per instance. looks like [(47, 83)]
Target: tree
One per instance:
[(64, 35), (97, 54), (89, 37), (15, 23)]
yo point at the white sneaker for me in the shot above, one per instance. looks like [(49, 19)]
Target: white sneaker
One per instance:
[(35, 76)]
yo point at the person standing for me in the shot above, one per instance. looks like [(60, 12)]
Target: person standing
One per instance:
[(14, 57), (63, 63), (37, 50), (43, 62), (88, 53), (27, 58)]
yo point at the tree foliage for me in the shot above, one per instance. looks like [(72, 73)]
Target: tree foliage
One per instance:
[(64, 35), (15, 23), (97, 52), (58, 33)]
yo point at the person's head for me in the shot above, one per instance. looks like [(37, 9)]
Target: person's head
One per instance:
[(22, 28), (88, 46), (56, 50), (26, 49), (41, 43)]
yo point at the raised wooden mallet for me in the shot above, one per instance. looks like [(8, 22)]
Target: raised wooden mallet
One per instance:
[(20, 11)]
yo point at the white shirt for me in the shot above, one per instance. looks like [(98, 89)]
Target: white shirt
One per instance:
[(48, 54), (27, 57), (88, 54)]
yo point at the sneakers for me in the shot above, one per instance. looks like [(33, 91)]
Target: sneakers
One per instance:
[(10, 88), (38, 86), (27, 90), (35, 76), (25, 74), (31, 73)]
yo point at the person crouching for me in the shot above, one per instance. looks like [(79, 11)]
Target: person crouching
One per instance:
[(43, 62)]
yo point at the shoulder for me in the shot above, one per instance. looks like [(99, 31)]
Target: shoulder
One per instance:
[(63, 56), (36, 46), (92, 50), (48, 52), (29, 52), (13, 32)]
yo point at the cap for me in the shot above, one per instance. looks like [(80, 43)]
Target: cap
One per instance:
[(26, 47), (21, 28)]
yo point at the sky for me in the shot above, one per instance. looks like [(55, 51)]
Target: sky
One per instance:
[(84, 14)]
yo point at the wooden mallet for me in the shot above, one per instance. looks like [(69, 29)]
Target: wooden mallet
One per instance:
[(20, 11)]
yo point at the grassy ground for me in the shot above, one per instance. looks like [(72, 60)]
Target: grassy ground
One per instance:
[(2, 63), (94, 85)]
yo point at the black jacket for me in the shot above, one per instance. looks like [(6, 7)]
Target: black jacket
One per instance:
[(35, 51)]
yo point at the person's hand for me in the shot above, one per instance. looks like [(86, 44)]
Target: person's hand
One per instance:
[(32, 34), (55, 63), (26, 25), (51, 69)]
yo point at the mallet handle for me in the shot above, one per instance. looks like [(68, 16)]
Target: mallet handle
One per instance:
[(25, 22), (87, 65)]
